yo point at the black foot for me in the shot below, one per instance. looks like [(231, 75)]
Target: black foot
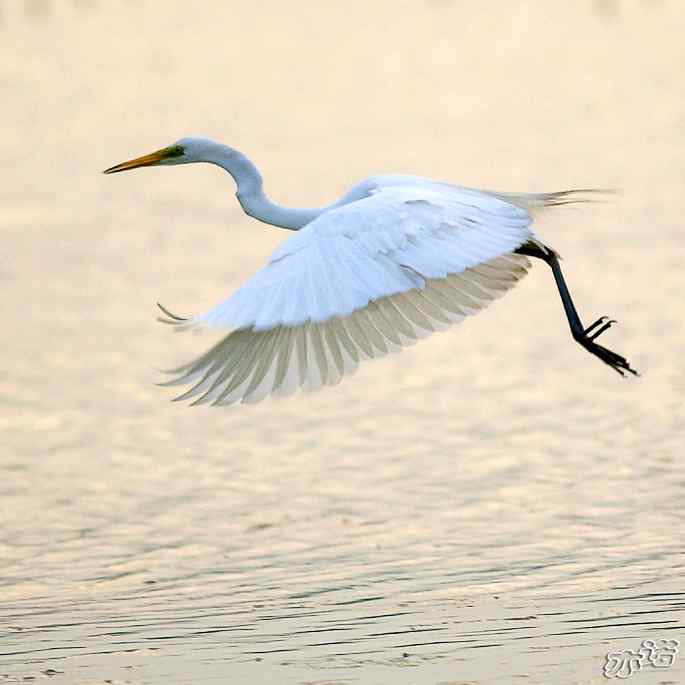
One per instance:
[(603, 323), (587, 340)]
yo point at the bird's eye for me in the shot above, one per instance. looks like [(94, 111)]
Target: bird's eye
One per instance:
[(175, 151)]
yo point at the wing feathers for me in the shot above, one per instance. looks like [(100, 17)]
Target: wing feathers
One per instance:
[(363, 279), (248, 365), (384, 244)]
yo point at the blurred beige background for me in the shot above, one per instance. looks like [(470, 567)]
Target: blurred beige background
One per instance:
[(494, 486)]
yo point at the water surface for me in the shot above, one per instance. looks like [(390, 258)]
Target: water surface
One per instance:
[(492, 506)]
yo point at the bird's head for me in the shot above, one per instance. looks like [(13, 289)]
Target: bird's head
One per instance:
[(183, 151)]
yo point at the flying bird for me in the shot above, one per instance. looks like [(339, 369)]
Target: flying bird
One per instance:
[(393, 260)]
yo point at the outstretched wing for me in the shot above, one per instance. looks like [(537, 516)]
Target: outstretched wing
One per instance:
[(360, 281)]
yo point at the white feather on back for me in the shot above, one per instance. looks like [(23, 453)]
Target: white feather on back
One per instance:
[(360, 281)]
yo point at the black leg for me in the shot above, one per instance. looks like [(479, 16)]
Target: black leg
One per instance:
[(584, 336)]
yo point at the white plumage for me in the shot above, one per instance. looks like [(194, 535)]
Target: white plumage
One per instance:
[(395, 259), (359, 281)]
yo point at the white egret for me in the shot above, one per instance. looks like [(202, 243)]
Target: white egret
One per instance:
[(393, 260)]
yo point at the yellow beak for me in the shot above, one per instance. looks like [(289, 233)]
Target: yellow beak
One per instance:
[(152, 159)]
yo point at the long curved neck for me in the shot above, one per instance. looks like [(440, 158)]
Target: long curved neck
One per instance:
[(250, 192)]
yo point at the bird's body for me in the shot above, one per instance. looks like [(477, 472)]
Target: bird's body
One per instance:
[(396, 258)]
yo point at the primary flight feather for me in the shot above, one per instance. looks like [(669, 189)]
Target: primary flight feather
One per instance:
[(395, 259)]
